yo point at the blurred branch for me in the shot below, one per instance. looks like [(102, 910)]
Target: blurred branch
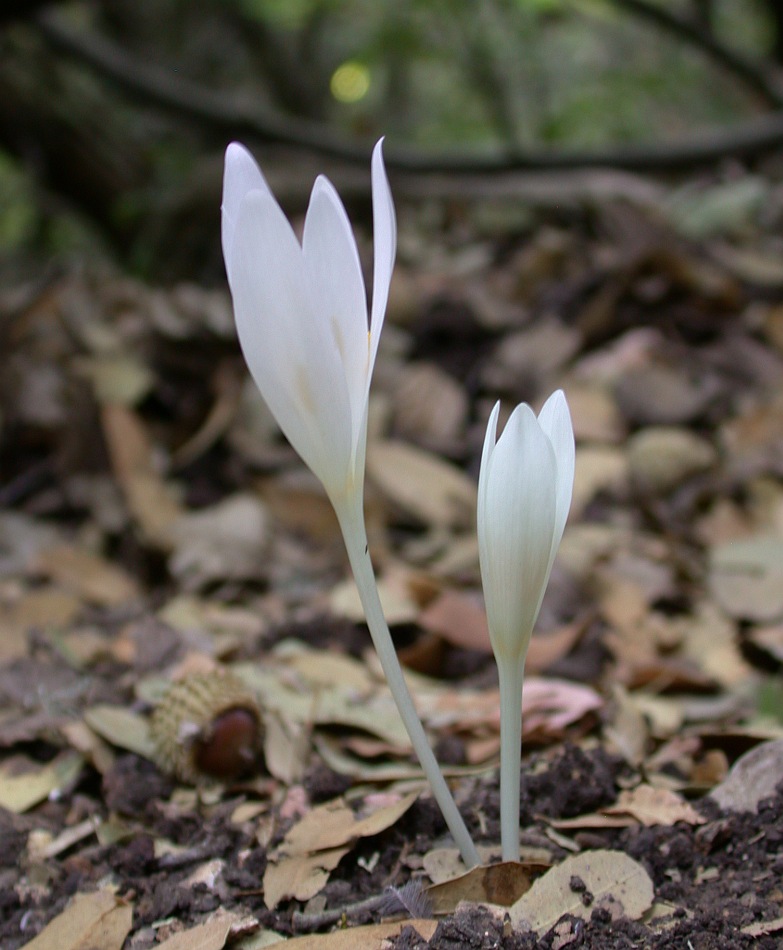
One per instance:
[(694, 32), (233, 119)]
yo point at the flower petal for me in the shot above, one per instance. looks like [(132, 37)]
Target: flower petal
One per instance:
[(241, 175), (294, 364), (515, 530), (490, 439), (555, 420), (384, 249), (335, 273)]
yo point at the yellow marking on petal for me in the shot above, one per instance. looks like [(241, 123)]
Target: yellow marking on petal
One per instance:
[(303, 390)]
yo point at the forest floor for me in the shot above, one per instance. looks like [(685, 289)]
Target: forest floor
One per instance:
[(156, 530)]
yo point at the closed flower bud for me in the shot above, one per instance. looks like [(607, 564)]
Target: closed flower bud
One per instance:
[(525, 485)]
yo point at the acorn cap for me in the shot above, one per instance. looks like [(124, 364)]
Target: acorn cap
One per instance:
[(208, 725)]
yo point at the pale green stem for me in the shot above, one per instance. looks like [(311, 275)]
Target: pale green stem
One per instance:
[(351, 520), (510, 674)]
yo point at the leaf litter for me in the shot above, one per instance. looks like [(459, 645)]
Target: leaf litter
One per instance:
[(155, 526)]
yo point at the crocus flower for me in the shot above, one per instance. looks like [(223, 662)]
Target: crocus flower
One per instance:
[(301, 312), (302, 321), (524, 495)]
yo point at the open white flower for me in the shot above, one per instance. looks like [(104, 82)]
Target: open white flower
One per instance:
[(301, 312), (525, 486), (301, 316)]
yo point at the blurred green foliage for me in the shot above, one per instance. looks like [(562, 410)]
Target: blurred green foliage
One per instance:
[(442, 74)]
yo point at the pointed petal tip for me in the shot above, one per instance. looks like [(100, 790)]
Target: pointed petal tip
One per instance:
[(237, 154)]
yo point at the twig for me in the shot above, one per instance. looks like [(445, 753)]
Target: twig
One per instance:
[(236, 119), (409, 899), (690, 30)]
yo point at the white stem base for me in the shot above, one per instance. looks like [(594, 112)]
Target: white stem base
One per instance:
[(511, 675)]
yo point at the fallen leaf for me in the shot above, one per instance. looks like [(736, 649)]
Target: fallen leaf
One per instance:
[(429, 406), (41, 608), (335, 823), (399, 605), (611, 880), (459, 619), (424, 485), (300, 876), (119, 378), (654, 806), (746, 578), (316, 844), (227, 541), (760, 928), (753, 777), (87, 574), (24, 783), (549, 706), (295, 699), (99, 919), (211, 935), (599, 468), (122, 728), (502, 884), (151, 502)]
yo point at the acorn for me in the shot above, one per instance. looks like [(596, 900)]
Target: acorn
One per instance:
[(208, 725)]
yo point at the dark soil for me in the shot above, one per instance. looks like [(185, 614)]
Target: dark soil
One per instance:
[(717, 877)]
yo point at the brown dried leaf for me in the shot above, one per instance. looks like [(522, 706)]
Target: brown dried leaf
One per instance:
[(226, 541), (335, 823), (615, 882), (459, 619), (88, 575), (151, 503), (425, 486), (40, 608), (122, 728), (549, 706), (24, 783), (99, 919), (317, 843), (300, 876), (746, 578), (753, 776), (211, 935), (654, 806), (430, 407), (501, 884)]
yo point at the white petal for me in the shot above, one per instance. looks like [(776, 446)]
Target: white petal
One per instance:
[(295, 366), (334, 269), (555, 420), (490, 438), (517, 524), (384, 248), (241, 175)]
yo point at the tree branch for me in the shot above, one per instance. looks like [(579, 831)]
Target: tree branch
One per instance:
[(233, 118), (690, 30)]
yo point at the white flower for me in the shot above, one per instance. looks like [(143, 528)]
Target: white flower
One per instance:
[(301, 313), (301, 316), (525, 486)]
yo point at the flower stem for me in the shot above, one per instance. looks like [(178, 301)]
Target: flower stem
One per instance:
[(511, 675), (351, 520)]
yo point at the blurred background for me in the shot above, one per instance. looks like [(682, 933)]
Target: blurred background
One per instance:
[(114, 115)]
